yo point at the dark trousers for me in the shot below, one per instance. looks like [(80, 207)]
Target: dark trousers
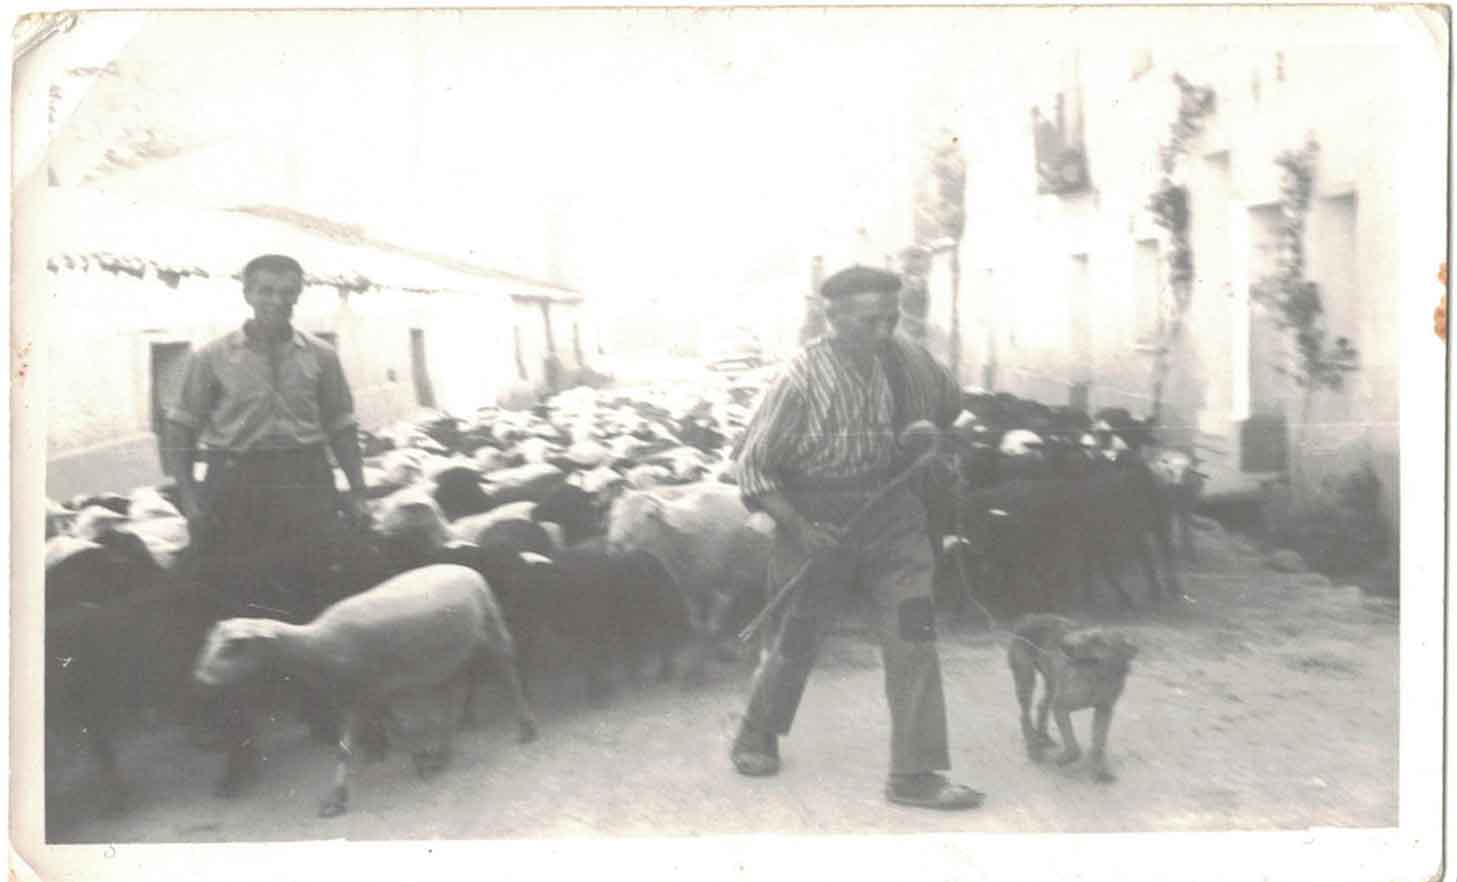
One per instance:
[(889, 555), (275, 527), (268, 554)]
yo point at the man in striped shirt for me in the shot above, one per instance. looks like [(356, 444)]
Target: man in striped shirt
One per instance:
[(820, 445)]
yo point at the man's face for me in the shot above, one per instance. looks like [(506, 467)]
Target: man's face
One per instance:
[(272, 294), (865, 320)]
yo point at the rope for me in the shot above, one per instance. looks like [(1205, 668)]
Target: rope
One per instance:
[(957, 525)]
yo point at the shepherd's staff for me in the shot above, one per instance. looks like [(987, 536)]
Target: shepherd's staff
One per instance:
[(915, 431)]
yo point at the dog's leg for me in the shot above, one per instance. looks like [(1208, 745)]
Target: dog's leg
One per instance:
[(1043, 739), (1102, 718), (1024, 678), (1070, 750)]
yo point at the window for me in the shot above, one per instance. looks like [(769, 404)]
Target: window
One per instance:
[(1148, 294)]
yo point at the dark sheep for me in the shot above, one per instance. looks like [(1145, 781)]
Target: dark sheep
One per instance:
[(616, 604), (81, 572), (1031, 540), (113, 501), (458, 493), (527, 483), (580, 514), (106, 662)]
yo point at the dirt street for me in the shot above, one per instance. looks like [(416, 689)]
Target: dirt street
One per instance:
[(1272, 704)]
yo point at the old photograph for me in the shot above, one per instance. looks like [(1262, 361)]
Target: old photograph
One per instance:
[(759, 425)]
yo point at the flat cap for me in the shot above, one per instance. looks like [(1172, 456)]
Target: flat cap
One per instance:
[(860, 280)]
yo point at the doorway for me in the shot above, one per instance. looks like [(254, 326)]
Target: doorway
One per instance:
[(420, 369)]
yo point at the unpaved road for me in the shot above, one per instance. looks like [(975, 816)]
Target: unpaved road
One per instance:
[(1271, 705)]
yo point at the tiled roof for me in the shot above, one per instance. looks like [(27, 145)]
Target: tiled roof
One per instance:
[(86, 228)]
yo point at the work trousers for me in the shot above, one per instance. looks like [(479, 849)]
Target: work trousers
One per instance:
[(888, 553), (268, 554), (275, 528)]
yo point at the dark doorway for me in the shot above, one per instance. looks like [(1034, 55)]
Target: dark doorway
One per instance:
[(420, 368)]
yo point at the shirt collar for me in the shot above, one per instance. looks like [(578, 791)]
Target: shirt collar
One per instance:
[(239, 338)]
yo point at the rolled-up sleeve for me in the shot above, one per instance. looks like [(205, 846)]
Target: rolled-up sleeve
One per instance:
[(336, 402), (195, 398), (770, 441)]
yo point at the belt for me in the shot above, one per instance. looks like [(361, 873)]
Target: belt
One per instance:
[(264, 454), (867, 482)]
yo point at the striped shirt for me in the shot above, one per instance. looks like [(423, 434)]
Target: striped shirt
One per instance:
[(823, 421)]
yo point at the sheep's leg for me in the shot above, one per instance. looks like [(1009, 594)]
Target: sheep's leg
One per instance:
[(1150, 570), (723, 647), (1165, 542), (700, 625), (522, 657), (597, 661), (1110, 574), (373, 740), (447, 697), (337, 802), (477, 671), (241, 765), (103, 746), (525, 720), (1186, 533)]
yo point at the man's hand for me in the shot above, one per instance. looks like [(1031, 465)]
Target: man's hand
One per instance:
[(356, 512), (812, 537), (816, 538), (200, 522)]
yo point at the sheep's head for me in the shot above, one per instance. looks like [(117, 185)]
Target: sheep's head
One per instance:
[(235, 650), (636, 519)]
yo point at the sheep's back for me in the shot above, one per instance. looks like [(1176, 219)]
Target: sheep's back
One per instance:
[(415, 628)]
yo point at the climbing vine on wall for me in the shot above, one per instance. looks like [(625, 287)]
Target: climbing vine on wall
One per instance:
[(1318, 362), (1170, 208)]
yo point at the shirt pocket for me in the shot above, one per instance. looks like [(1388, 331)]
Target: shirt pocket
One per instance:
[(299, 387)]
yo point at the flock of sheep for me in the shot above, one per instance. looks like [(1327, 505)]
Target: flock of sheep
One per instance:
[(607, 519)]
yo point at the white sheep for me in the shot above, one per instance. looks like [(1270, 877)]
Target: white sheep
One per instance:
[(703, 535), (423, 632)]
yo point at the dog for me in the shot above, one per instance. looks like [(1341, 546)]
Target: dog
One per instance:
[(1081, 667)]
